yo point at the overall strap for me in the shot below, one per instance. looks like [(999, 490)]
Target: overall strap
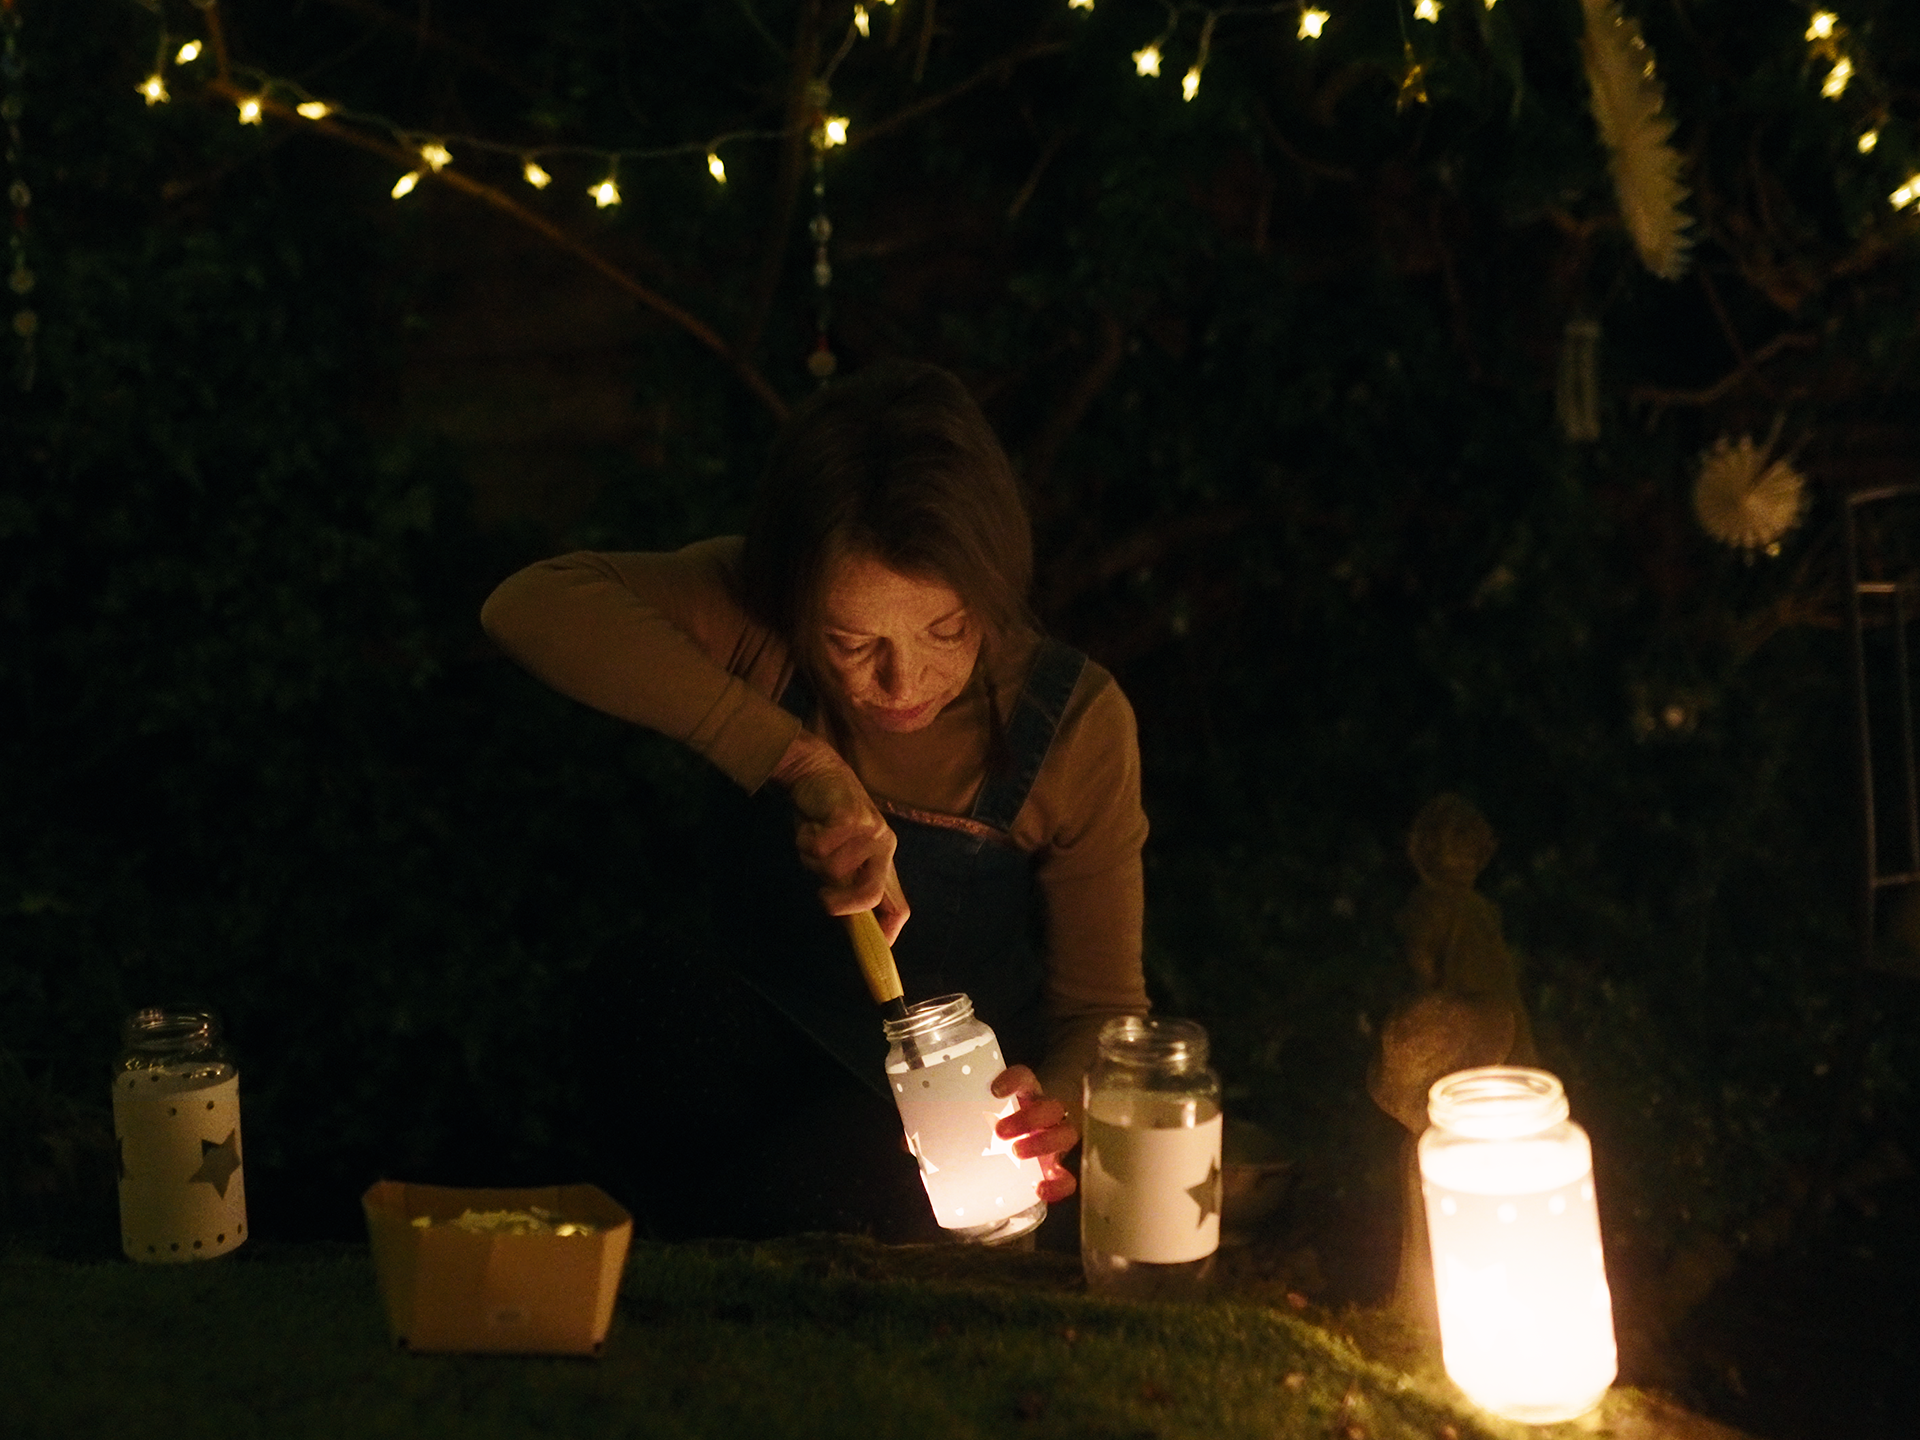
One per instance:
[(1030, 730)]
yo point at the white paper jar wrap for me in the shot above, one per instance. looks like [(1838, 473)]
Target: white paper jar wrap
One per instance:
[(1526, 1318), (1150, 1178), (941, 1069), (183, 1193)]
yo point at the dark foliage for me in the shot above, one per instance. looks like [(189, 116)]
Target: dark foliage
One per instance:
[(1279, 367)]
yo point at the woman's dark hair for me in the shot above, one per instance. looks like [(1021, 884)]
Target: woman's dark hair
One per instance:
[(898, 463)]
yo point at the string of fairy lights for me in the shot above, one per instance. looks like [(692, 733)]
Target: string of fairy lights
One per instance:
[(1836, 58), (1831, 45), (1837, 61)]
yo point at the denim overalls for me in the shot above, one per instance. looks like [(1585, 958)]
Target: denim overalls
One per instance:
[(803, 1132), (976, 923)]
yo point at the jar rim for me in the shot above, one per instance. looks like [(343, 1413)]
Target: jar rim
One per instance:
[(923, 1017), (1153, 1040), (1497, 1102), (158, 1028)]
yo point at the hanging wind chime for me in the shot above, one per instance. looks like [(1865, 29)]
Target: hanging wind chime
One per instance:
[(828, 131), (20, 277)]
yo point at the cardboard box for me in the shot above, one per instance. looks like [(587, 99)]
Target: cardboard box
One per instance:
[(449, 1289)]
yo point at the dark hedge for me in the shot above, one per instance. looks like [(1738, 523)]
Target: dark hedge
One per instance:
[(1278, 367)]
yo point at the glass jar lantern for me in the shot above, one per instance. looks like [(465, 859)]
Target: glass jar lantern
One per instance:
[(176, 1115), (941, 1065), (1150, 1173), (1526, 1319)]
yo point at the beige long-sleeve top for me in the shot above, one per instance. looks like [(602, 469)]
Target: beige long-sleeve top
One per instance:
[(664, 640)]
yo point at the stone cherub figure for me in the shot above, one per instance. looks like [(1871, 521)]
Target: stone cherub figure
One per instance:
[(1469, 1011)]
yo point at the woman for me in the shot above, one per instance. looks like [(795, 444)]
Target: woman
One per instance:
[(867, 654)]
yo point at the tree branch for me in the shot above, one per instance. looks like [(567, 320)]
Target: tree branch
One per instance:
[(999, 68), (431, 39), (736, 361), (1073, 407), (1726, 384), (793, 167), (499, 200)]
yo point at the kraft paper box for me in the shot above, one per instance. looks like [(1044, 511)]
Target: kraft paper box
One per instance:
[(451, 1289)]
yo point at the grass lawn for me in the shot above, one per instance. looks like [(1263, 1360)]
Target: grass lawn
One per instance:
[(819, 1336)]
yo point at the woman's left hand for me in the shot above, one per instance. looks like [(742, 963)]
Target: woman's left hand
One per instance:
[(1039, 1129)]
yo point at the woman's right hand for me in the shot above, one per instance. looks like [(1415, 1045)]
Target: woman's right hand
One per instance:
[(841, 835)]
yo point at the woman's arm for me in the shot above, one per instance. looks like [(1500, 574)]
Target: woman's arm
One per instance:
[(841, 835), (660, 640)]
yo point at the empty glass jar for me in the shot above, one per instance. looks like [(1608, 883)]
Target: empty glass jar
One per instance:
[(1150, 1172), (176, 1114)]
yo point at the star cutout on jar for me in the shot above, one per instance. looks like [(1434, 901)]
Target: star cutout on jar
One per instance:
[(1207, 1194), (995, 1145), (218, 1162)]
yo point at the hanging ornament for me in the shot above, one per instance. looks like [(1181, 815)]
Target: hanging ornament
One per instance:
[(1628, 108), (1745, 498), (1576, 398), (20, 277), (821, 361)]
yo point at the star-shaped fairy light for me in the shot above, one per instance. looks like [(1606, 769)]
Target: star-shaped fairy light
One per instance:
[(1628, 107), (1745, 498), (218, 1162), (1207, 1194)]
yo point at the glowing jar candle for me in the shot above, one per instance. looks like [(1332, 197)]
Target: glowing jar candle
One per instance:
[(1150, 1172), (176, 1116), (941, 1066), (1526, 1320)]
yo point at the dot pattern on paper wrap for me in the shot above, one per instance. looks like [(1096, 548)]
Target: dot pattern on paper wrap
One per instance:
[(1525, 1312), (949, 1111), (1151, 1178), (182, 1185)]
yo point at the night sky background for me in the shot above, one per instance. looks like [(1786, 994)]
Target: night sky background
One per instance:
[(1279, 368)]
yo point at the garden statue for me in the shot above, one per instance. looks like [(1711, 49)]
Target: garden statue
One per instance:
[(1469, 1011)]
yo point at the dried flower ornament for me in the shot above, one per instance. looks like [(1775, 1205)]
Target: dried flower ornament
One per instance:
[(1745, 498), (1628, 107)]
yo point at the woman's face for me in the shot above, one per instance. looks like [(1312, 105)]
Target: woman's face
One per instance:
[(900, 647)]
